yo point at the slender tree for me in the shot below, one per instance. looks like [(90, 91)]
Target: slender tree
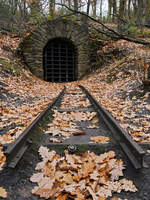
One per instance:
[(122, 9), (88, 7), (114, 5), (109, 9), (101, 7), (52, 8), (129, 9), (147, 11)]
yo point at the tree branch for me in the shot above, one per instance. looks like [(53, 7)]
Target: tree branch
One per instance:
[(116, 34)]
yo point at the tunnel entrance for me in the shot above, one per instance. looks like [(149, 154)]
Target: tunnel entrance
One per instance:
[(60, 61)]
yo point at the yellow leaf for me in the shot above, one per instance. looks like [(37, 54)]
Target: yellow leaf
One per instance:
[(101, 198), (134, 97), (114, 198), (67, 178), (62, 197), (93, 126), (95, 120), (146, 66), (101, 139), (2, 157), (3, 192)]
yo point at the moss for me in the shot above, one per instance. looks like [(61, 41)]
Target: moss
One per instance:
[(10, 66)]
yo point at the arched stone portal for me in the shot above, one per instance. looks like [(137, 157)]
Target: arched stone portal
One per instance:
[(60, 61), (38, 46)]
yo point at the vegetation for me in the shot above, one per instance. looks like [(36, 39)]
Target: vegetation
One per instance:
[(23, 15)]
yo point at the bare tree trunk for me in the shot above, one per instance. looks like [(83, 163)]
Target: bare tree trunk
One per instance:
[(75, 5), (122, 8), (140, 12), (135, 6), (94, 7), (52, 8), (88, 7), (114, 5), (147, 11), (109, 9), (101, 5), (69, 3), (129, 9)]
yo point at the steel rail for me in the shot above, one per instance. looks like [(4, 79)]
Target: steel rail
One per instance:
[(15, 151), (133, 151)]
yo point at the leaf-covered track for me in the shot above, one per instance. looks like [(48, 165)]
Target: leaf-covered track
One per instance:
[(133, 151), (15, 150), (79, 122)]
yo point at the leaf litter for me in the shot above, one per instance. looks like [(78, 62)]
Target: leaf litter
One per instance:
[(109, 95), (64, 123), (79, 176), (100, 139)]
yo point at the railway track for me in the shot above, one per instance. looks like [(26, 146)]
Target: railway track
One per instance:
[(79, 123)]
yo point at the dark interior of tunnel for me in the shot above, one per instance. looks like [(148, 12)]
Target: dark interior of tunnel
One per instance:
[(60, 61)]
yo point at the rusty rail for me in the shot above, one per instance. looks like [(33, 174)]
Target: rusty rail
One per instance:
[(15, 151), (133, 151)]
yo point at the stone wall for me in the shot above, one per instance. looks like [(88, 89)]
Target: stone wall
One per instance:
[(33, 45)]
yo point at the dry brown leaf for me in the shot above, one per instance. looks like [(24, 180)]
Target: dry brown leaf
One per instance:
[(101, 198), (117, 170), (115, 198), (55, 140), (92, 193), (68, 179), (62, 197), (36, 177), (49, 170), (47, 193), (146, 66), (3, 193), (94, 175), (77, 176), (127, 185), (79, 133), (2, 158), (87, 168), (95, 120), (93, 126), (100, 139)]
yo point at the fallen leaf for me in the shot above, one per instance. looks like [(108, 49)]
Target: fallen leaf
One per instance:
[(93, 126), (100, 139), (62, 197), (3, 193), (95, 120), (55, 140)]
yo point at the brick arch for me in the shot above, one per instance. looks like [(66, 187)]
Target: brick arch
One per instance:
[(33, 45)]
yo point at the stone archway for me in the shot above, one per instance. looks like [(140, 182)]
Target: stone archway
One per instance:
[(34, 44), (60, 61)]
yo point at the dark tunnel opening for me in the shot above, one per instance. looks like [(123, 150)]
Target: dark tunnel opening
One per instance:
[(60, 61)]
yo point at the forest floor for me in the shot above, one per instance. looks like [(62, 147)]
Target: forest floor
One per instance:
[(117, 85)]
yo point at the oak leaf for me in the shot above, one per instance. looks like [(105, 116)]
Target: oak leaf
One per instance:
[(62, 197), (95, 120), (3, 193), (101, 139)]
